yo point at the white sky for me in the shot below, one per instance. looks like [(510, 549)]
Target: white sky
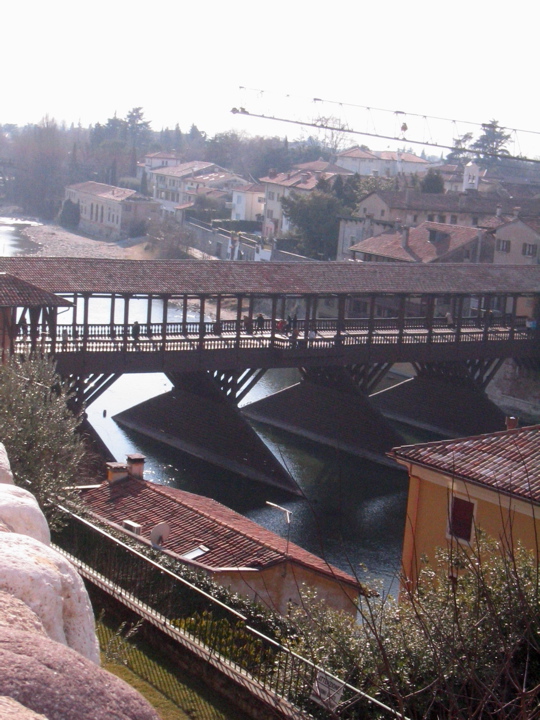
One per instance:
[(184, 62)]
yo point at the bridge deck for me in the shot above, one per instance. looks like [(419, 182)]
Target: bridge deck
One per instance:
[(101, 338)]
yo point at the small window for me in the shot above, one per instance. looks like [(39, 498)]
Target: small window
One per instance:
[(503, 245), (415, 218), (382, 213), (453, 219), (270, 214), (431, 217), (529, 250), (196, 552), (271, 195), (461, 519), (475, 220), (441, 218)]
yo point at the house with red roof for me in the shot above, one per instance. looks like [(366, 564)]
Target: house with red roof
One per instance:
[(384, 163), (427, 243), (485, 482), (302, 179), (212, 538), (111, 212)]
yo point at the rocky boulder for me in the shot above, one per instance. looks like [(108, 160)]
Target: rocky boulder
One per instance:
[(6, 476), (51, 587), (20, 513), (51, 679), (12, 710)]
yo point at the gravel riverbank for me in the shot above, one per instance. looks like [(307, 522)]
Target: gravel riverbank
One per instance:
[(55, 241)]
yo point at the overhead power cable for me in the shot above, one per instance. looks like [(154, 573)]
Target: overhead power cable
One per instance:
[(325, 126), (398, 112)]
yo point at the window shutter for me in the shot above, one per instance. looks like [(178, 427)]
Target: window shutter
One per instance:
[(461, 518)]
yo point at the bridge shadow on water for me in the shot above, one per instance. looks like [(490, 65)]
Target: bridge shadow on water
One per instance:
[(352, 512)]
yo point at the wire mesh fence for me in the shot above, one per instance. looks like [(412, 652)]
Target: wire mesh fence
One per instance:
[(189, 614)]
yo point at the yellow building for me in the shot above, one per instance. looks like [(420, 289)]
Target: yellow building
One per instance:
[(489, 482)]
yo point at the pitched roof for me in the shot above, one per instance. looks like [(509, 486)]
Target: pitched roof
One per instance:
[(506, 461), (301, 179), (421, 245), (103, 191), (200, 277), (18, 293), (403, 156), (232, 540), (471, 202), (323, 166), (183, 170), (356, 152), (252, 188)]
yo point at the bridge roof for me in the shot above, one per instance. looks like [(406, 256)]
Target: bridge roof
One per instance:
[(15, 292), (66, 275)]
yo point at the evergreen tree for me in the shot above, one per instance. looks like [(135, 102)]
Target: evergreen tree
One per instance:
[(39, 432), (490, 144), (432, 183)]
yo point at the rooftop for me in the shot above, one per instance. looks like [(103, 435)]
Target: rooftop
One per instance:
[(232, 541), (103, 191), (18, 293), (198, 277), (429, 242), (506, 461), (471, 202), (185, 169)]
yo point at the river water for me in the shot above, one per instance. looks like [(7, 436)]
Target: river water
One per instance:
[(353, 512)]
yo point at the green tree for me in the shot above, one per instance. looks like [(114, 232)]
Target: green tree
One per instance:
[(39, 432), (432, 183), (460, 152), (464, 643), (138, 129), (316, 220), (70, 215), (490, 144)]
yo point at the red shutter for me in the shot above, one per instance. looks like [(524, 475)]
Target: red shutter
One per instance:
[(461, 519)]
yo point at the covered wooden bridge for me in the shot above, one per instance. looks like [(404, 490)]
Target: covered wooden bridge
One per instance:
[(215, 328)]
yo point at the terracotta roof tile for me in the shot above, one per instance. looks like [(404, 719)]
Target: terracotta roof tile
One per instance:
[(232, 540), (420, 248), (18, 293), (200, 277), (507, 461), (454, 202)]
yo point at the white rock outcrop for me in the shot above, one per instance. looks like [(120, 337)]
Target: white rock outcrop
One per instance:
[(20, 513), (16, 614), (12, 710), (6, 476), (52, 588)]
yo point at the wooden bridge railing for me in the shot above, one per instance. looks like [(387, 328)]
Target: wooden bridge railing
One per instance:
[(227, 335)]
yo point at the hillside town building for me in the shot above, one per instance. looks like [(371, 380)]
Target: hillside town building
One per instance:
[(207, 536), (111, 212), (458, 487), (301, 179), (426, 243)]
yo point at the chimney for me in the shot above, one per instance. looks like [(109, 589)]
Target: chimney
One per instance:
[(511, 422), (135, 465), (405, 237), (499, 210), (272, 173), (516, 210), (116, 471)]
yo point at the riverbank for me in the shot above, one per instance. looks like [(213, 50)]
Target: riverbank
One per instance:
[(56, 241)]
